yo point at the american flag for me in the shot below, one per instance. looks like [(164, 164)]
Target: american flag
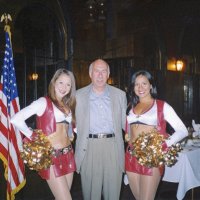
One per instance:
[(10, 139)]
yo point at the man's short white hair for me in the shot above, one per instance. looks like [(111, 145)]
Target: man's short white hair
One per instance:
[(92, 64)]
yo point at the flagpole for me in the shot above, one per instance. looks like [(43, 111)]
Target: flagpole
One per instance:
[(6, 18), (11, 143)]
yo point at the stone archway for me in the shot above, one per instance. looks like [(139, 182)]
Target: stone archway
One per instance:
[(41, 50)]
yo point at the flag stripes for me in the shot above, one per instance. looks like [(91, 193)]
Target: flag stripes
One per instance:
[(10, 138)]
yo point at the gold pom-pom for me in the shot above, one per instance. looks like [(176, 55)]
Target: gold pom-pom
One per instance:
[(147, 148), (170, 157), (37, 153)]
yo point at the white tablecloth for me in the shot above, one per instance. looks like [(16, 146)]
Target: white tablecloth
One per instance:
[(186, 172)]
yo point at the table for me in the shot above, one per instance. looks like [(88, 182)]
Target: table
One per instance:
[(186, 172)]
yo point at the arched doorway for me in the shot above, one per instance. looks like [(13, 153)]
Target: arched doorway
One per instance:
[(42, 50)]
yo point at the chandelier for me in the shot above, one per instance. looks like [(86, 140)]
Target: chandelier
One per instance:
[(96, 10)]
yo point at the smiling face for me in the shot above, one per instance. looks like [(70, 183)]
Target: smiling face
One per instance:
[(62, 86), (99, 74), (142, 87)]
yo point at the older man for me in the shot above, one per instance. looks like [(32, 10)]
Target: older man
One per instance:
[(100, 117)]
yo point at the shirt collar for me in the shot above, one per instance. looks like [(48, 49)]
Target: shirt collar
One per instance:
[(103, 95)]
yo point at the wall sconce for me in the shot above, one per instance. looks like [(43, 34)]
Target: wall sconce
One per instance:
[(179, 65), (174, 64), (110, 81), (33, 77)]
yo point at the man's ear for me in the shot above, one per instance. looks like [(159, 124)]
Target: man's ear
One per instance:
[(90, 74)]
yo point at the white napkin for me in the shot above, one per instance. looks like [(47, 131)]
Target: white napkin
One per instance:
[(196, 128)]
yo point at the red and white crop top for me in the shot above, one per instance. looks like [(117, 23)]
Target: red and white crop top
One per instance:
[(150, 118), (37, 108)]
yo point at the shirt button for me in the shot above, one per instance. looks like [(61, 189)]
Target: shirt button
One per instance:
[(84, 149)]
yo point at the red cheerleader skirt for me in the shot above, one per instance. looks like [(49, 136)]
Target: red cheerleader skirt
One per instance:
[(132, 165), (63, 163)]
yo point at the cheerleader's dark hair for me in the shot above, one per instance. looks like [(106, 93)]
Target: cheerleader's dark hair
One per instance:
[(133, 99)]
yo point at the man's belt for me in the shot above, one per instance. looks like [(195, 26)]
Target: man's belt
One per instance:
[(101, 135)]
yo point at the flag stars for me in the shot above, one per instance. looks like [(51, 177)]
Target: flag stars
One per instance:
[(9, 80)]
